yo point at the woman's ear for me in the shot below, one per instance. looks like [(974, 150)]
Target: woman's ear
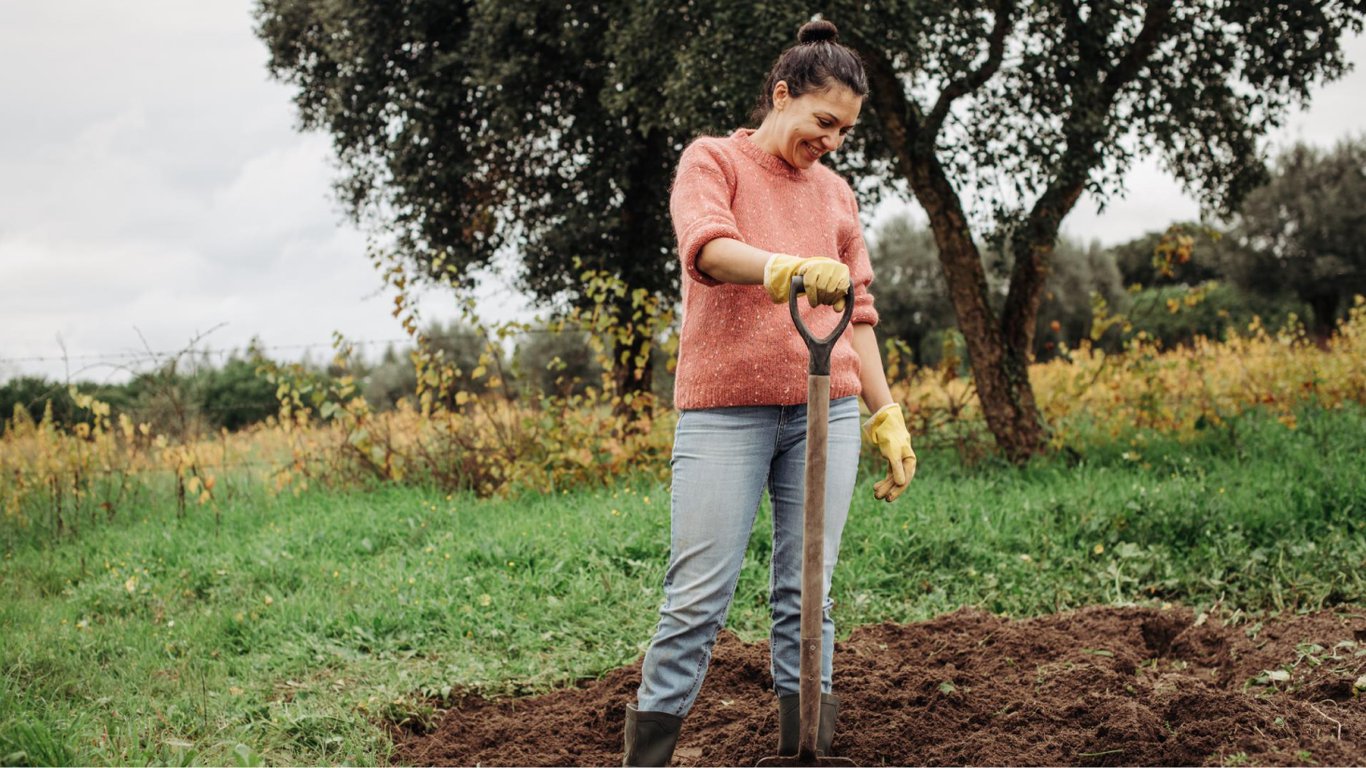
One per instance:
[(780, 94)]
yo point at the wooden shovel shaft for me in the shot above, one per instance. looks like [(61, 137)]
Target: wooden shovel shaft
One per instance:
[(813, 532), (813, 562)]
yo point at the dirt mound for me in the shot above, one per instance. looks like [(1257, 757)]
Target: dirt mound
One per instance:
[(1099, 686)]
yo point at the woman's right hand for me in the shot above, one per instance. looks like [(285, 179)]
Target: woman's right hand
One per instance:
[(826, 280)]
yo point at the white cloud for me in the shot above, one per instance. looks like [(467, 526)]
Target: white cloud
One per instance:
[(278, 196)]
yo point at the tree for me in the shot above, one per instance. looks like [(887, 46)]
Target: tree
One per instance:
[(557, 362), (34, 395), (458, 343), (1052, 99), (1025, 106), (235, 395), (1176, 314), (558, 124), (1305, 232), (462, 128), (913, 299), (391, 380)]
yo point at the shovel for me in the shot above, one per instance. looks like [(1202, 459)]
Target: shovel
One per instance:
[(813, 534)]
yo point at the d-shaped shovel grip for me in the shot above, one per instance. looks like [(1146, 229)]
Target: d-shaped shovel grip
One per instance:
[(820, 348)]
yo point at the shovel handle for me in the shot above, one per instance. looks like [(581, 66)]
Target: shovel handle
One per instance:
[(820, 348)]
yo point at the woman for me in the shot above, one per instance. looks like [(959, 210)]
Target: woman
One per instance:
[(742, 206)]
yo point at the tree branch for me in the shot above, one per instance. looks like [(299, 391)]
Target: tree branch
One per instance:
[(1071, 17), (1144, 44), (973, 80)]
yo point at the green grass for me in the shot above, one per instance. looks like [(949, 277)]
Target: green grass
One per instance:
[(296, 628)]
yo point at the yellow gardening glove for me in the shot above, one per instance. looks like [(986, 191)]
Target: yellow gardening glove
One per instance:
[(826, 281), (887, 430)]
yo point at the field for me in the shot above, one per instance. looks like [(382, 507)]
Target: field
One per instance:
[(331, 625)]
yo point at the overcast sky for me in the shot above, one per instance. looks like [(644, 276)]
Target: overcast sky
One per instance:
[(153, 188)]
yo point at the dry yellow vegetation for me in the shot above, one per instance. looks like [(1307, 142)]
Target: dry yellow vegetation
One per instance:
[(487, 443)]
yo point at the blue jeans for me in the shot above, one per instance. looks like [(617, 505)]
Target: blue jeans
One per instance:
[(722, 460)]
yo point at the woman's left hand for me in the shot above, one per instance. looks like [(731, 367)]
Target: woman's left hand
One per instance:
[(887, 430)]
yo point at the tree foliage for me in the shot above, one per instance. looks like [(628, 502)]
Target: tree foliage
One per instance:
[(557, 362), (34, 395), (1078, 273), (1176, 315), (181, 399), (1208, 256), (912, 300), (394, 377), (234, 395)]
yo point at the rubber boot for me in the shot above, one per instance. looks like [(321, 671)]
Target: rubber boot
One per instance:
[(650, 737), (790, 724)]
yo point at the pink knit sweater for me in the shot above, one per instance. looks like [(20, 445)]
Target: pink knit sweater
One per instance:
[(738, 347)]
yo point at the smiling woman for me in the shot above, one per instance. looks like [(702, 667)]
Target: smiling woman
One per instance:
[(741, 207)]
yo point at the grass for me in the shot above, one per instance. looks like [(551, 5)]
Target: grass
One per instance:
[(298, 627)]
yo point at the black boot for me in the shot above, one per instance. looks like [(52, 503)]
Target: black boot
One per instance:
[(790, 724), (650, 737)]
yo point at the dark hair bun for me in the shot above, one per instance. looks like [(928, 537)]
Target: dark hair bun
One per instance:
[(818, 31)]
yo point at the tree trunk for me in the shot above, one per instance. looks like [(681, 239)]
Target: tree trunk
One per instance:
[(632, 363), (1000, 372)]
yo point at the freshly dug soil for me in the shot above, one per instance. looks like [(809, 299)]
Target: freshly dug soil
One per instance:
[(1098, 686)]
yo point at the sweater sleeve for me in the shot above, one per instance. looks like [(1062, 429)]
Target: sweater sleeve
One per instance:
[(700, 204), (854, 252)]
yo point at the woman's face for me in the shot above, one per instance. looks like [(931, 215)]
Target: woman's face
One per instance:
[(813, 124)]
